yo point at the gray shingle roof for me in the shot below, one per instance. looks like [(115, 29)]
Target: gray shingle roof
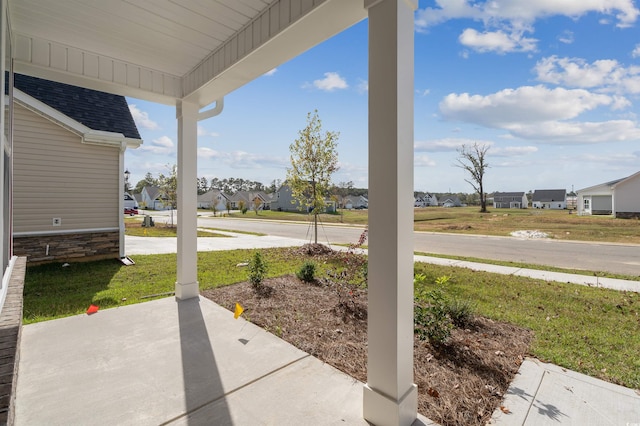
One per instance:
[(549, 195), (96, 110)]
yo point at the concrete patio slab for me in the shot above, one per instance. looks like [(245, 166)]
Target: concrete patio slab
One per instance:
[(545, 394), (169, 362)]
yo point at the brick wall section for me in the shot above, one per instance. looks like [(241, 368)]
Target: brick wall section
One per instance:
[(10, 332), (68, 247)]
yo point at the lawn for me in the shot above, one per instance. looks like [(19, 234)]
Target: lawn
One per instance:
[(558, 224), (592, 330)]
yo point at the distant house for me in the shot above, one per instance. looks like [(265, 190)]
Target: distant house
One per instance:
[(283, 200), (355, 202), (620, 198), (448, 200), (555, 199), (425, 200), (154, 199), (68, 145), (215, 198), (249, 200), (510, 200)]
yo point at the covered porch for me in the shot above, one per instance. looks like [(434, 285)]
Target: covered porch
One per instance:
[(191, 54)]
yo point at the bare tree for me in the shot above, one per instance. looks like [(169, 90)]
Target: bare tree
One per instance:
[(472, 159)]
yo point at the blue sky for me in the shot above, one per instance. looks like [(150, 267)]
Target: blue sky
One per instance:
[(552, 86)]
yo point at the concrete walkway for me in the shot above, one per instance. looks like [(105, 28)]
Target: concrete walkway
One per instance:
[(545, 394), (168, 362)]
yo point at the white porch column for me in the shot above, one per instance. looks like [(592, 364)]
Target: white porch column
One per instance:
[(390, 396), (187, 284)]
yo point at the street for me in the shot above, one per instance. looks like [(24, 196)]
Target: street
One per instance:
[(610, 257)]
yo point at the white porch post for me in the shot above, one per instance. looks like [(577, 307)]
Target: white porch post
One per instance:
[(390, 396), (187, 284)]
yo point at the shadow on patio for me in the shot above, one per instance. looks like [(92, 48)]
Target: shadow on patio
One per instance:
[(168, 362)]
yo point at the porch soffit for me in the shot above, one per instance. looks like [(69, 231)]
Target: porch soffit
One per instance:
[(163, 50)]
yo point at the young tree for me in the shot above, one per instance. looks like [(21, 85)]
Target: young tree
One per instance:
[(169, 188), (257, 203), (314, 158), (473, 160)]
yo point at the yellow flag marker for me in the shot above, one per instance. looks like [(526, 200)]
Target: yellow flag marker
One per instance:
[(238, 311)]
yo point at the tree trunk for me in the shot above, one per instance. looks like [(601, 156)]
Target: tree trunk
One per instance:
[(315, 223)]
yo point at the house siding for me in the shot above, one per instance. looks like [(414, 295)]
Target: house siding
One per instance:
[(77, 183), (627, 198)]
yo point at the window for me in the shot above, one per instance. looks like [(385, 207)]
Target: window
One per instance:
[(586, 204)]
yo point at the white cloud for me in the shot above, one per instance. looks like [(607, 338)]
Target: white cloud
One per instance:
[(204, 132), (423, 161), (542, 114), (363, 86), (566, 37), (330, 82), (497, 41), (526, 104), (446, 144), (270, 72), (607, 75), (208, 153), (524, 11), (573, 133), (142, 119), (512, 151), (242, 159), (424, 92), (636, 51), (162, 145)]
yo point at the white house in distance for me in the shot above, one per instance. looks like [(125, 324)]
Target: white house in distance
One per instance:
[(620, 198), (153, 199), (426, 200), (555, 199)]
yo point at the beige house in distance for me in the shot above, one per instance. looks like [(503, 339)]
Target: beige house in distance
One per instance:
[(68, 144)]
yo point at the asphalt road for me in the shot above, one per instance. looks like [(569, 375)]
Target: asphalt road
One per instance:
[(610, 257)]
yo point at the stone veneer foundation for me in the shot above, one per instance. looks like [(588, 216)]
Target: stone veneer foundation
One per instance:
[(67, 247)]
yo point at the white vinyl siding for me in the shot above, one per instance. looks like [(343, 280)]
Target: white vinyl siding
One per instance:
[(627, 196), (57, 176)]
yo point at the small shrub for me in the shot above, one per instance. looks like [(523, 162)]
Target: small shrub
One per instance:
[(244, 210), (307, 272), (460, 311), (257, 270), (431, 319)]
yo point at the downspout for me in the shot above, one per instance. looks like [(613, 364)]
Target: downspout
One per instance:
[(123, 148), (210, 113)]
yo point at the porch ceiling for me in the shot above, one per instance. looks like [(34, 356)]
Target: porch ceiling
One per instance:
[(163, 50)]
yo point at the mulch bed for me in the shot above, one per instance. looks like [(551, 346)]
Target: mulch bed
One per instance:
[(459, 383)]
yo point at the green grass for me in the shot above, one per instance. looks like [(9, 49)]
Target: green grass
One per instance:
[(591, 330), (353, 217), (52, 291)]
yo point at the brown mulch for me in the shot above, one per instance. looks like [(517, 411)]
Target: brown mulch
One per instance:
[(460, 383)]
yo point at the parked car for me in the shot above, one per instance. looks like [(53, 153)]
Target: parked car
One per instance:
[(130, 211)]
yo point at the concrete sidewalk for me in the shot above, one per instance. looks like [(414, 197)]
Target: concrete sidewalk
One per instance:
[(545, 394)]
